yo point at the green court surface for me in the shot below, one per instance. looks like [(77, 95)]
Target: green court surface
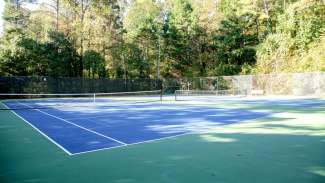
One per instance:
[(288, 146)]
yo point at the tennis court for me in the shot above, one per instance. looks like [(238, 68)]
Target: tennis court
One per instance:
[(147, 137)]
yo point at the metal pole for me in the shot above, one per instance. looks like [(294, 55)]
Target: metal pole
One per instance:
[(158, 60)]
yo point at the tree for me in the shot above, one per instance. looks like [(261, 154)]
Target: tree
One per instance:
[(12, 57), (179, 31), (301, 25), (94, 63), (234, 44), (179, 38), (143, 37), (63, 57), (105, 30)]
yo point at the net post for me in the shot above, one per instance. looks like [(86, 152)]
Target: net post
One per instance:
[(94, 97), (161, 95), (161, 86)]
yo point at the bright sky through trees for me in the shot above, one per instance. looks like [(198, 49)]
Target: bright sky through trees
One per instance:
[(2, 4)]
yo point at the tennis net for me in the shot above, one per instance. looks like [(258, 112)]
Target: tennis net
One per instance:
[(181, 95), (42, 101)]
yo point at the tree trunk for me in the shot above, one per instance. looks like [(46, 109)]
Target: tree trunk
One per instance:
[(82, 17), (257, 29), (57, 14), (266, 10), (94, 68)]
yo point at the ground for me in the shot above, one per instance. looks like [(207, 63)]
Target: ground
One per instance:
[(286, 145)]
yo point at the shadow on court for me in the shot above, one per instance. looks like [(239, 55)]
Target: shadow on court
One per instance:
[(281, 148), (79, 130)]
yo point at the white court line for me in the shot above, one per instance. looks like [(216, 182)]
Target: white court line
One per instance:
[(142, 142), (47, 137), (123, 144), (92, 117), (179, 135), (158, 139), (164, 138), (99, 134)]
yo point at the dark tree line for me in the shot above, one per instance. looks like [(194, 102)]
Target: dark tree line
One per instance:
[(171, 38)]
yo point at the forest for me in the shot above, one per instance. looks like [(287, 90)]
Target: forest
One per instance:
[(161, 38)]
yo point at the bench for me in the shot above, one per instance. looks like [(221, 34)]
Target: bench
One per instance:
[(257, 92)]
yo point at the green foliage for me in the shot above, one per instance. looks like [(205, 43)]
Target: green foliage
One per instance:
[(314, 59), (273, 53), (94, 63), (188, 38), (14, 16), (141, 16), (12, 59), (179, 37), (25, 57), (233, 45), (63, 58), (299, 26), (138, 66)]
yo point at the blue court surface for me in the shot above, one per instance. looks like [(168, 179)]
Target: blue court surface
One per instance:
[(86, 129)]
